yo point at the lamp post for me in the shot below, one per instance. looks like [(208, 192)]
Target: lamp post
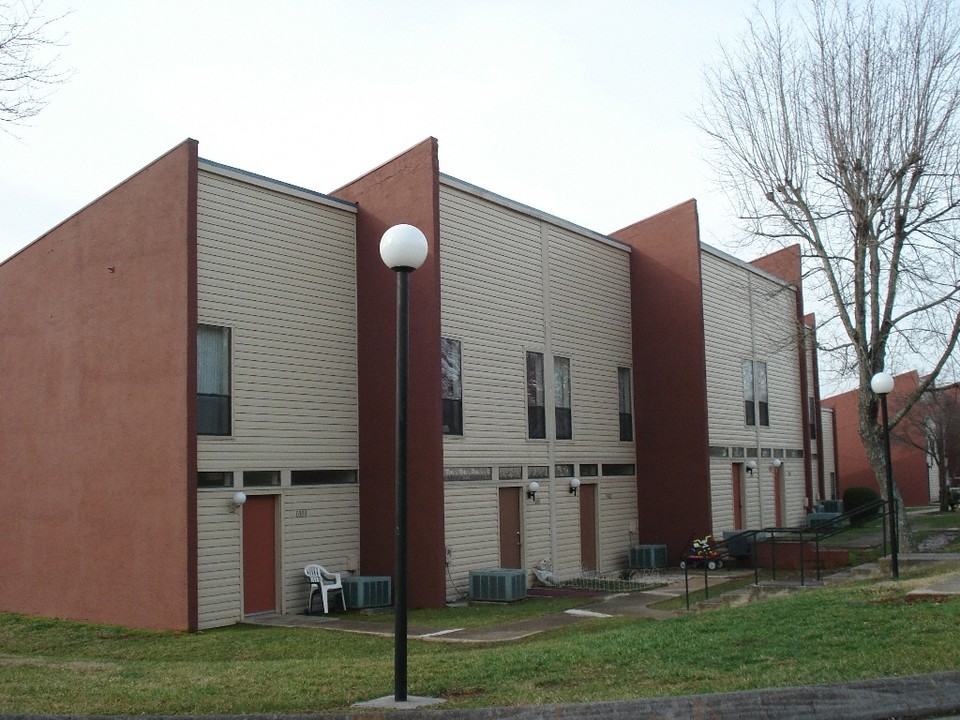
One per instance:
[(403, 249), (882, 385)]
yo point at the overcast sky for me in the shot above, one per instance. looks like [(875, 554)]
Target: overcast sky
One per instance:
[(580, 109)]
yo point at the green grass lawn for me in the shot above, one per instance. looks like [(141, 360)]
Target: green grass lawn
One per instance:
[(850, 632)]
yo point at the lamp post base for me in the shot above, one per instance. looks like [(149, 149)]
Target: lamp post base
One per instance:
[(388, 702)]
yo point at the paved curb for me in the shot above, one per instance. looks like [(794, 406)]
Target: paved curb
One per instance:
[(901, 698)]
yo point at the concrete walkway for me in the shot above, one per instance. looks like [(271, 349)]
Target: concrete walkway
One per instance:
[(629, 604)]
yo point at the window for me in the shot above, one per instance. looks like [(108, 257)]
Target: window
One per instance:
[(452, 384), (626, 403), (762, 406), (812, 416), (755, 393), (563, 471), (621, 469), (561, 392), (589, 470), (213, 380), (261, 478), (323, 477), (536, 406), (215, 479), (467, 473)]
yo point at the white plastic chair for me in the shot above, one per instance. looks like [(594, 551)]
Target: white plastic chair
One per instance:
[(324, 582)]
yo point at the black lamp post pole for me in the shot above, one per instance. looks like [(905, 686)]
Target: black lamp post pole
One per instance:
[(892, 503), (400, 506)]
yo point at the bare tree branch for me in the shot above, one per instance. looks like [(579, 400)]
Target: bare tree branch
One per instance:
[(28, 60)]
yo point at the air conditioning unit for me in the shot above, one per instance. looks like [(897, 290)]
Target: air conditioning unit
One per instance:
[(831, 506), (367, 591), (648, 556), (498, 585)]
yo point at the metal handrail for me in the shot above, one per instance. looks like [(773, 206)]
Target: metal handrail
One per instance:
[(819, 532)]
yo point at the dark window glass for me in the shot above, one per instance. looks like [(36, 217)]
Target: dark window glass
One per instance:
[(619, 469), (452, 385), (536, 408), (322, 477), (213, 380), (261, 478), (538, 472), (589, 470), (626, 403), (214, 479), (763, 408), (812, 410), (562, 397), (749, 399)]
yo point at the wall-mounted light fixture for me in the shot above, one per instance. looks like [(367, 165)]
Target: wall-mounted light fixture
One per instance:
[(751, 466), (532, 490), (238, 499), (777, 462), (574, 485)]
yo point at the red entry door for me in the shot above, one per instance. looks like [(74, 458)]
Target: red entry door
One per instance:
[(259, 554), (510, 539), (737, 491), (588, 527)]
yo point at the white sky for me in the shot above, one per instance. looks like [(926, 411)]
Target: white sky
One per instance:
[(580, 109)]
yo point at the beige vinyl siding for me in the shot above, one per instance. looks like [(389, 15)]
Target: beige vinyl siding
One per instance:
[(277, 266), (751, 315), (472, 531), (590, 323), (515, 280), (491, 294), (219, 584), (327, 531), (280, 270), (617, 506)]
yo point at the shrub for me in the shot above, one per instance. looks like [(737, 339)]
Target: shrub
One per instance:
[(858, 497)]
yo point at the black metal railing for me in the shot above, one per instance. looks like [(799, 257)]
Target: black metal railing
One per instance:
[(798, 538)]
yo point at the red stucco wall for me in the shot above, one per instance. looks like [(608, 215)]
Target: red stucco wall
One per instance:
[(909, 461), (403, 190), (95, 466), (670, 378)]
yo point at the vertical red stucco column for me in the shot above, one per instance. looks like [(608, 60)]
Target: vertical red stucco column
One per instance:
[(670, 378), (402, 190)]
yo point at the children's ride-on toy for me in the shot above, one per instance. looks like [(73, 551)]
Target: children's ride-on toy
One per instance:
[(700, 553)]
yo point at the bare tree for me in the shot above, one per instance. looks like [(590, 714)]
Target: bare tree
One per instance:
[(28, 59), (836, 126)]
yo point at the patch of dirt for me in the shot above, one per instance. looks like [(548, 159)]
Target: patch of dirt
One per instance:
[(937, 540)]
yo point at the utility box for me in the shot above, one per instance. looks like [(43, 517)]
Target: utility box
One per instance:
[(498, 585), (648, 556), (366, 591)]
